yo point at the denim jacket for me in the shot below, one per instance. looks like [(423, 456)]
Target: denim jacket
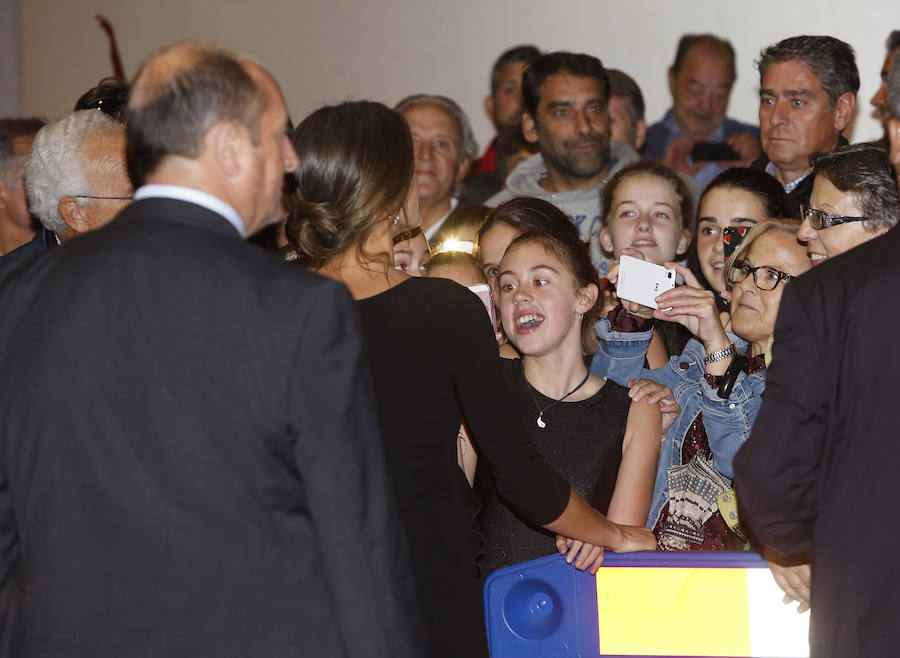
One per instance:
[(727, 422)]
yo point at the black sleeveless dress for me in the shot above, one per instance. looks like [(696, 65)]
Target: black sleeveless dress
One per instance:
[(582, 441), (434, 358)]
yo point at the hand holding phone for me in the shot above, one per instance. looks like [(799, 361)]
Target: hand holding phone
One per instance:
[(483, 291), (642, 282)]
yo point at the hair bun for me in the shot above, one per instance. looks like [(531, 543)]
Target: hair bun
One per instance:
[(315, 229)]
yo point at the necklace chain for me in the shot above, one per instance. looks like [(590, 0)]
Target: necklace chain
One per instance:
[(540, 417)]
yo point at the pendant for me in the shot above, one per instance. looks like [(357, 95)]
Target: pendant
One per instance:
[(540, 420)]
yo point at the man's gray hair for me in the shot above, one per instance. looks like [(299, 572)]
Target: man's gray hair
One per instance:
[(55, 170), (469, 147), (893, 87), (831, 60)]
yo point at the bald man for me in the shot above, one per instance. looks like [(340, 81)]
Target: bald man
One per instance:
[(209, 480)]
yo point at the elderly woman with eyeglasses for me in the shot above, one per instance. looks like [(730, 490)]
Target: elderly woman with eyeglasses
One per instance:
[(717, 381), (854, 199)]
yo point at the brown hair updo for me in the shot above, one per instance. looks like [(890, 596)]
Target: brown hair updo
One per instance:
[(356, 167)]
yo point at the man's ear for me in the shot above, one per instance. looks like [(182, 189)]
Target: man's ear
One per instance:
[(489, 107), (529, 128), (843, 110), (640, 134), (894, 137), (671, 77), (228, 144), (462, 170), (4, 196), (72, 215)]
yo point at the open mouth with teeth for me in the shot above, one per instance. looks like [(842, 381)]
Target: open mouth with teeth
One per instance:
[(817, 258), (528, 322)]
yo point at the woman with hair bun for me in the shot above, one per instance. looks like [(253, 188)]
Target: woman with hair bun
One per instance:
[(355, 187)]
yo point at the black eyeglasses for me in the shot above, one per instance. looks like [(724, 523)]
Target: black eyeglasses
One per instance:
[(764, 276), (112, 105), (820, 219), (128, 197)]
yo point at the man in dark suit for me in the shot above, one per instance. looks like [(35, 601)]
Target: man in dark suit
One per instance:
[(189, 460), (818, 475)]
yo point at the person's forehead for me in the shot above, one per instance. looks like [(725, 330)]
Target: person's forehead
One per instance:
[(702, 57), (512, 71), (791, 75), (776, 248), (564, 86), (433, 118)]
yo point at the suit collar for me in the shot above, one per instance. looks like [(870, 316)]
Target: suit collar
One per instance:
[(193, 195), (181, 212)]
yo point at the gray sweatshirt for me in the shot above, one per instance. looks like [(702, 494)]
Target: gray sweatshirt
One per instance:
[(582, 206)]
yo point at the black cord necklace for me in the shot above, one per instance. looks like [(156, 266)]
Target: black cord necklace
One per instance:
[(540, 418)]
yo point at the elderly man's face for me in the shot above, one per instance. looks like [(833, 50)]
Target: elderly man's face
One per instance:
[(437, 141), (103, 156), (795, 117), (700, 91)]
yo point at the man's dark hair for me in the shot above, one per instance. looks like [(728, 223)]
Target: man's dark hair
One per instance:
[(11, 129), (623, 85), (865, 171), (893, 40), (574, 64), (525, 54), (109, 96), (176, 113), (832, 61), (708, 41)]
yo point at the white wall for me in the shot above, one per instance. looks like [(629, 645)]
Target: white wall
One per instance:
[(10, 73), (324, 51)]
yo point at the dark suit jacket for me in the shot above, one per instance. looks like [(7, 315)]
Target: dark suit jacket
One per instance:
[(820, 470), (210, 481)]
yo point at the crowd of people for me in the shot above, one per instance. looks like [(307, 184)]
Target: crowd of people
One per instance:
[(277, 390)]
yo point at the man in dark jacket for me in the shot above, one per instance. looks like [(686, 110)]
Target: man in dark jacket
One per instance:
[(189, 456), (820, 469)]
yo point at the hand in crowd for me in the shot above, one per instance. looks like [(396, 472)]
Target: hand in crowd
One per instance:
[(748, 147), (794, 579), (694, 307), (584, 555), (677, 155), (612, 275), (658, 394)]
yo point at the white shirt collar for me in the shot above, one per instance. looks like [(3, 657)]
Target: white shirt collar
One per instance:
[(434, 228), (191, 195)]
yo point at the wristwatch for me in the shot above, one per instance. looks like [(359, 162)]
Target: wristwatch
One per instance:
[(724, 353)]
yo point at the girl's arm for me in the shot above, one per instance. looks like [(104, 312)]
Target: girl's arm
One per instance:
[(630, 503)]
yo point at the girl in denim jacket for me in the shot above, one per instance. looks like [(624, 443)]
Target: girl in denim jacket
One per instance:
[(717, 381)]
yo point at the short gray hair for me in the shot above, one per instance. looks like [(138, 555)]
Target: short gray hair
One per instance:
[(831, 60), (893, 87), (469, 148), (55, 170)]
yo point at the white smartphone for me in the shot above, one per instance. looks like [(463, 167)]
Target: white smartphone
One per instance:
[(643, 282), (483, 291)]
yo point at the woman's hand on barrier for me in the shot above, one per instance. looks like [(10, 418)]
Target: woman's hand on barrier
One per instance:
[(582, 555)]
